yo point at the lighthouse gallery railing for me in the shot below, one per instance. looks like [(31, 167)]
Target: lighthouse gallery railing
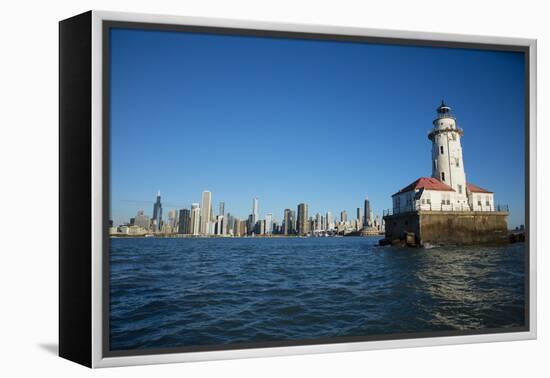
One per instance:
[(444, 207)]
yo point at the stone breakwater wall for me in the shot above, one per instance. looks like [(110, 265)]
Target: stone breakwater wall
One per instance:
[(447, 227)]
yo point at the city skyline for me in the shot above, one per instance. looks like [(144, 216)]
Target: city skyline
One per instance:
[(250, 117), (203, 220)]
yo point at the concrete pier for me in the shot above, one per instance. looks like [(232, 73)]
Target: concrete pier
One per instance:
[(448, 227)]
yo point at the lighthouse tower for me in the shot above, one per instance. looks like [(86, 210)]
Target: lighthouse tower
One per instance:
[(447, 161), (444, 208)]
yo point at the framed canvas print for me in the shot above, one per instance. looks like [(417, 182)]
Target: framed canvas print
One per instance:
[(236, 189)]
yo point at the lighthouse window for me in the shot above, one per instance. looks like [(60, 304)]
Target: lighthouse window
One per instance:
[(441, 149), (460, 189), (457, 163), (442, 176)]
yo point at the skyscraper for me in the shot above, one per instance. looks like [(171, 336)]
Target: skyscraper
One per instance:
[(268, 224), (172, 218), (251, 225), (302, 220), (367, 214), (206, 211), (227, 224), (157, 214), (255, 210), (195, 219), (330, 221), (371, 218), (287, 222), (240, 227), (318, 226), (219, 225), (222, 208), (184, 222), (142, 220), (343, 216), (211, 227), (276, 228)]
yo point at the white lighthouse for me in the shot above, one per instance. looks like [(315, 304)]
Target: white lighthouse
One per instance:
[(447, 161), (447, 188), (445, 208)]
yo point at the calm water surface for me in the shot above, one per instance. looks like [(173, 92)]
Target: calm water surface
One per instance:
[(191, 292)]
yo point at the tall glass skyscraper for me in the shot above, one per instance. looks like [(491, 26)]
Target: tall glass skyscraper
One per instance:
[(255, 209), (157, 214), (367, 214), (268, 224), (287, 222), (251, 225), (330, 221), (184, 222)]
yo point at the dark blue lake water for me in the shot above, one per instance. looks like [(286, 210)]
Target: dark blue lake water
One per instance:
[(196, 292)]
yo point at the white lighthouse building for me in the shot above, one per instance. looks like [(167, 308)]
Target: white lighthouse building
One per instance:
[(447, 188), (447, 162)]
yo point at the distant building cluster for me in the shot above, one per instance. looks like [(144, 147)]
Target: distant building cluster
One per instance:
[(199, 220)]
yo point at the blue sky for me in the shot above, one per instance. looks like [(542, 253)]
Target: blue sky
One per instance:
[(290, 121)]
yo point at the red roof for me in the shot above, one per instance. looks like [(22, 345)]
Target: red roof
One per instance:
[(429, 183), (476, 189)]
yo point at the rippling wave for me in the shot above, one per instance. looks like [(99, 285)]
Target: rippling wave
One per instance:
[(194, 292)]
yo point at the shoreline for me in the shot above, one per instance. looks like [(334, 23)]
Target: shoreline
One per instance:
[(185, 236)]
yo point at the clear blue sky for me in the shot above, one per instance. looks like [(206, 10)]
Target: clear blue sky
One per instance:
[(289, 121)]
